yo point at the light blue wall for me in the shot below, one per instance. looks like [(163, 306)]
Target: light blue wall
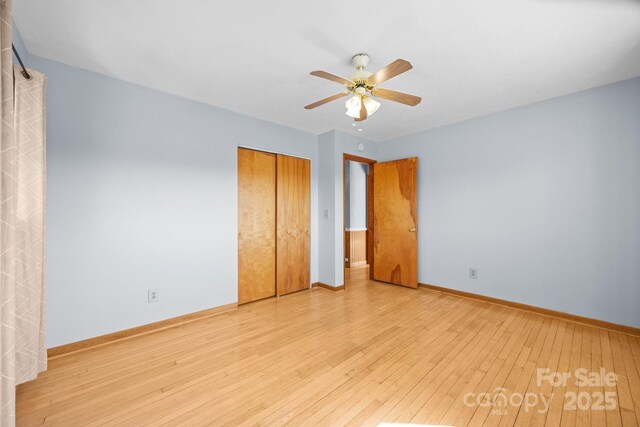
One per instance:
[(356, 195), (544, 200), (142, 193), (331, 147), (327, 206)]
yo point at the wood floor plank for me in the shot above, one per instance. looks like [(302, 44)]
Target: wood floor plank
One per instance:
[(569, 414), (632, 372), (613, 414), (598, 416), (627, 409), (584, 415)]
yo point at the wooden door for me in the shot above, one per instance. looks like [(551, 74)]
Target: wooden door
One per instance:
[(293, 222), (256, 225), (395, 216)]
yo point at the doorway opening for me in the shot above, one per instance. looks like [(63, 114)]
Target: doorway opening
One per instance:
[(358, 218)]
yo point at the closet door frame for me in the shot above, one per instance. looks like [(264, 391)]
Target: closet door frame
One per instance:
[(370, 223)]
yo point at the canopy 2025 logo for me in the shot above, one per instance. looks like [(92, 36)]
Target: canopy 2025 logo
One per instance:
[(600, 399)]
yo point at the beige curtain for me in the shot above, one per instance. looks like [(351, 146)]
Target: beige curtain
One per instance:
[(29, 257), (22, 195)]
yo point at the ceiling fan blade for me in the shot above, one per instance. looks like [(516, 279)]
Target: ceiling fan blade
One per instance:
[(325, 100), (363, 110), (332, 77), (398, 66), (392, 95)]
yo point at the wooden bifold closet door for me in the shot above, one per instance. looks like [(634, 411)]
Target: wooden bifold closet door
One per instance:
[(273, 224), (256, 225), (293, 239)]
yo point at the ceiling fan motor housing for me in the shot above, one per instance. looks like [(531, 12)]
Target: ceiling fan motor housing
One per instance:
[(360, 76), (360, 60)]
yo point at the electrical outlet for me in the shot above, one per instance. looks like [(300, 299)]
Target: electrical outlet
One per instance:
[(473, 273), (153, 295), (346, 260)]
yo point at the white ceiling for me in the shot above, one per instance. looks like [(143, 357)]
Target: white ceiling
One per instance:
[(470, 57)]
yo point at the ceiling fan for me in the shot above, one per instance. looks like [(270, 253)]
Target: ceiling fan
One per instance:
[(363, 85)]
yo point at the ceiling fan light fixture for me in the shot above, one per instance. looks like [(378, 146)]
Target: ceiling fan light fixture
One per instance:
[(371, 105), (353, 106)]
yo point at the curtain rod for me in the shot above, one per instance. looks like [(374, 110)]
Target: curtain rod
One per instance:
[(25, 73)]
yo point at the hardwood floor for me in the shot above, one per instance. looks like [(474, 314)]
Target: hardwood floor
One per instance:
[(374, 353)]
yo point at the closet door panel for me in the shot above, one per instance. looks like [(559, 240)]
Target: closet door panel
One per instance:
[(256, 225), (293, 223)]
